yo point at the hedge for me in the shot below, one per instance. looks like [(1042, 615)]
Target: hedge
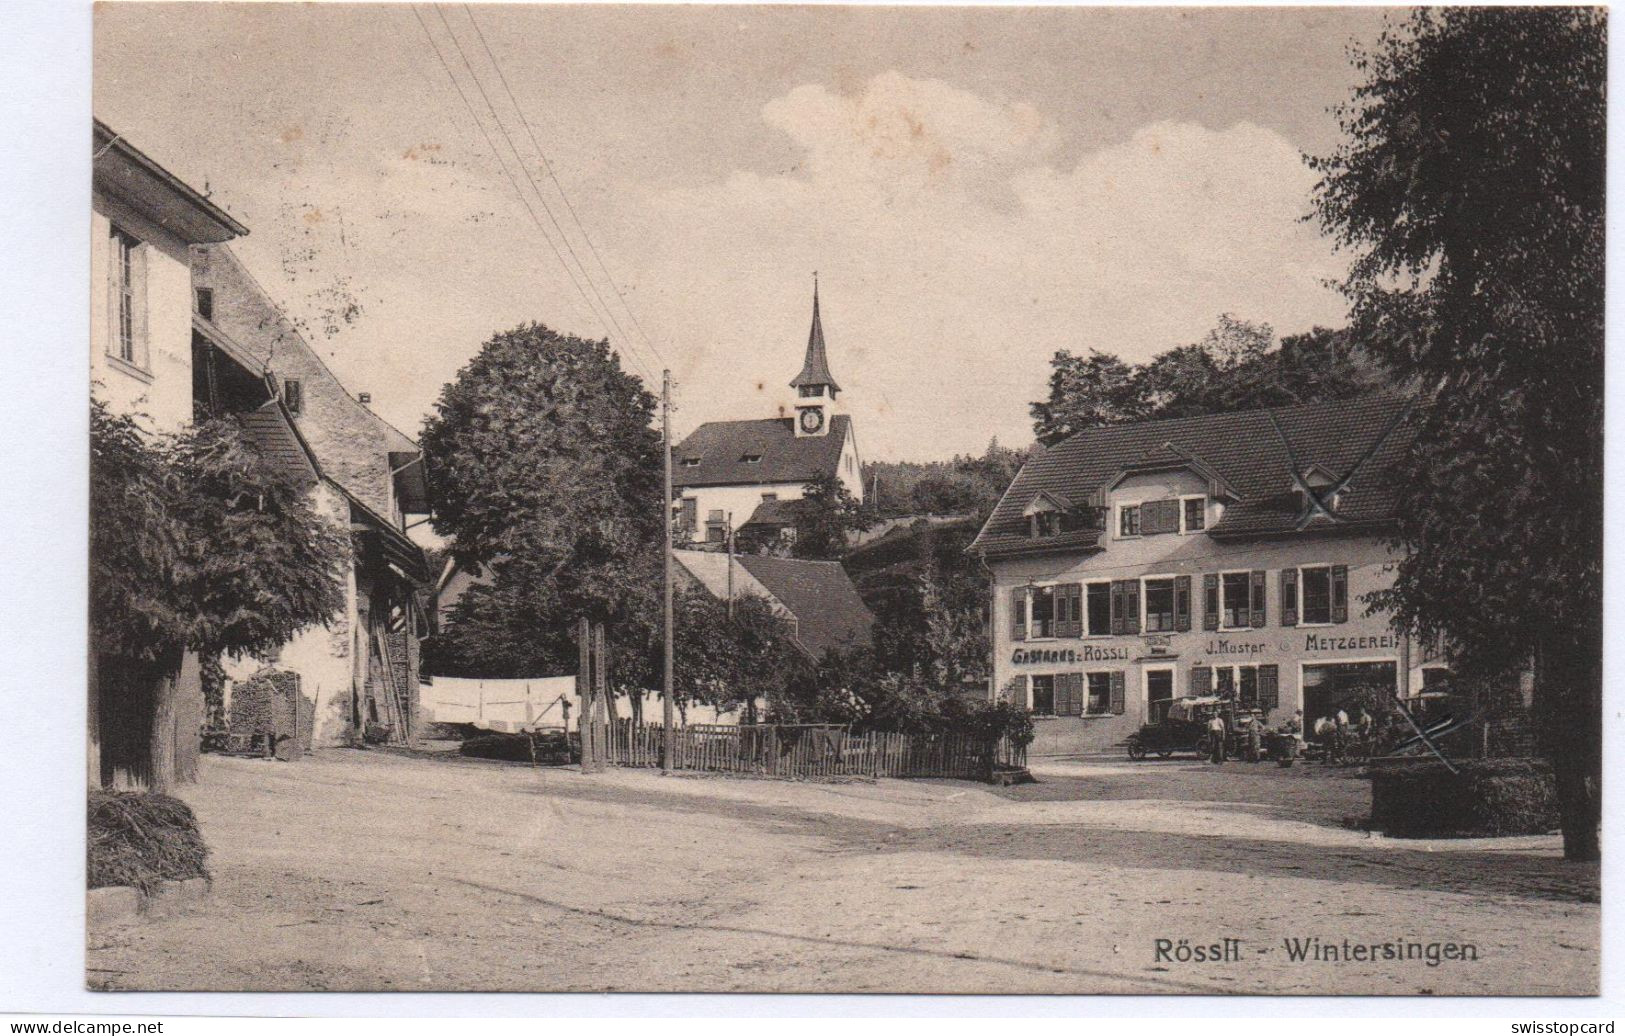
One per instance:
[(1485, 797)]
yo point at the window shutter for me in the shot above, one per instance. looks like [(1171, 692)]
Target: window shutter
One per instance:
[(1079, 694), (1131, 606), (1269, 687), (1340, 593), (1182, 603), (1159, 516), (1119, 696), (1289, 597), (1018, 614), (1061, 698), (1201, 680), (1118, 623), (1069, 608), (1210, 602), (1018, 691), (1256, 598)]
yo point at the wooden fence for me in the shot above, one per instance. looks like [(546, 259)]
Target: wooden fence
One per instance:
[(810, 751)]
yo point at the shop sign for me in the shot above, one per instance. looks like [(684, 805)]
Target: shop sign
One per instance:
[(1380, 642), (1086, 653), (1227, 646)]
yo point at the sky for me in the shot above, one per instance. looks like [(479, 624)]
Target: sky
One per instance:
[(976, 187)]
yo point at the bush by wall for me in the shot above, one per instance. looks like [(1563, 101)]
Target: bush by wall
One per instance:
[(142, 839), (1486, 797)]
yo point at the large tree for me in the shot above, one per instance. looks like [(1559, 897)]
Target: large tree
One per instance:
[(544, 467), (196, 544), (1470, 187)]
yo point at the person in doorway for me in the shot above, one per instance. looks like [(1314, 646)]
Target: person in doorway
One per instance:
[(1215, 737), (1326, 736)]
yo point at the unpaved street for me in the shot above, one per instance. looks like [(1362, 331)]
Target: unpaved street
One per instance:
[(368, 870)]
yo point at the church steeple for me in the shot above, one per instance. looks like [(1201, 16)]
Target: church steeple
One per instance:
[(815, 369)]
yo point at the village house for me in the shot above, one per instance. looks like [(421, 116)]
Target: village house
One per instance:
[(358, 674), (816, 597), (144, 221), (1224, 554), (748, 475)]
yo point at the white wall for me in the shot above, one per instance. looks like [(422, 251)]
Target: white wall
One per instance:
[(163, 389), (741, 500)]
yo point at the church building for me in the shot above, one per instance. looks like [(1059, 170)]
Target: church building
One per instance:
[(747, 475)]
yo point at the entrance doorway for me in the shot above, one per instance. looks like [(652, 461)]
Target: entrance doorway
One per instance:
[(1328, 686), (1159, 693)]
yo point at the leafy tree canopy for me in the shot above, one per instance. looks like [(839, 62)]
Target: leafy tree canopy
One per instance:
[(197, 543), (1470, 187), (1236, 366)]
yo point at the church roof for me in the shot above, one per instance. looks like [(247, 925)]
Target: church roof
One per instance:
[(815, 369), (719, 453)]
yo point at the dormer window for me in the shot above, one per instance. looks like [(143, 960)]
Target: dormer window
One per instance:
[(1194, 515), (1046, 523), (690, 462), (751, 458), (1319, 481), (1045, 515), (1128, 520)]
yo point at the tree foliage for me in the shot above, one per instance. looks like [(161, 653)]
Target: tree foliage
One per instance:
[(544, 466), (828, 512), (969, 485), (197, 543), (1237, 365), (1470, 186)]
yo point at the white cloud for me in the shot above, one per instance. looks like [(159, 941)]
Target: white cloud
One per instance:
[(956, 258)]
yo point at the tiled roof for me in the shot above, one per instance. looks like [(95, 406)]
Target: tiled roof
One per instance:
[(714, 454), (829, 613), (1243, 449), (273, 436), (775, 513)]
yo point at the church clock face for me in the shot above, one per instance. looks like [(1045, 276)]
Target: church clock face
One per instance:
[(812, 419)]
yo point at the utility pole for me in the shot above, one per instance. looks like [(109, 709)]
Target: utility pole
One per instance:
[(665, 522), (730, 564)]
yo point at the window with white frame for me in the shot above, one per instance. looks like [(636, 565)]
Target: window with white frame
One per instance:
[(127, 272), (1128, 520), (1192, 514), (1097, 612), (1315, 595), (1235, 600), (1159, 605)]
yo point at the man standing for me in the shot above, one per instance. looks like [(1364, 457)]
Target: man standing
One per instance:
[(1215, 736)]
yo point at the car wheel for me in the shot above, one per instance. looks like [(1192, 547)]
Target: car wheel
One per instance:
[(1136, 751)]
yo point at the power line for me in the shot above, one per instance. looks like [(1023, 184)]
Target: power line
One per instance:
[(523, 168), (547, 165), (518, 190)]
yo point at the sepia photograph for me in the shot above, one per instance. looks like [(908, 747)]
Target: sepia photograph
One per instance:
[(844, 499)]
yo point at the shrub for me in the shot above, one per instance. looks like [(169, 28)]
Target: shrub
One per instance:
[(142, 839), (1485, 797)]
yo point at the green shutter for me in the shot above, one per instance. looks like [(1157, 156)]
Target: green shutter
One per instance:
[(1269, 687), (1256, 598), (1119, 692), (1069, 602), (1158, 517), (1018, 614), (1182, 603), (1340, 593), (1289, 597), (1210, 602)]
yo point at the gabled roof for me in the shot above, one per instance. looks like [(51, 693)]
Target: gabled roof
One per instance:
[(718, 450), (815, 369), (828, 611), (1243, 449), (121, 169)]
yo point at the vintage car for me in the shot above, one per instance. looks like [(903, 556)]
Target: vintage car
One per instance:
[(1184, 728)]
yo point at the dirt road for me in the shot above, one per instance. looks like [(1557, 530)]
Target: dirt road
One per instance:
[(368, 871)]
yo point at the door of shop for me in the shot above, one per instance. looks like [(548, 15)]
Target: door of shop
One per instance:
[(1159, 692)]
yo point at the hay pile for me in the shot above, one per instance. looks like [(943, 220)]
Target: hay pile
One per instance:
[(1515, 796), (141, 839)]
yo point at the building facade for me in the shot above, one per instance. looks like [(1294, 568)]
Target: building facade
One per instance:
[(732, 474), (1228, 554)]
